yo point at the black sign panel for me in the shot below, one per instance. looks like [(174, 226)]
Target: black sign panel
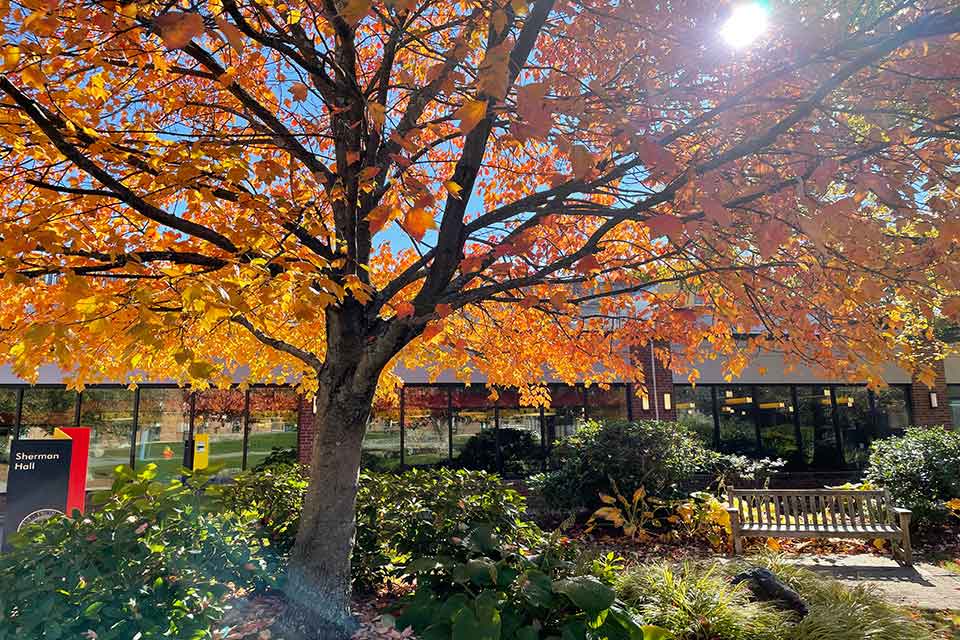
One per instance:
[(38, 481)]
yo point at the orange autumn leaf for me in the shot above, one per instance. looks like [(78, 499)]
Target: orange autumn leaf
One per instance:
[(233, 35), (299, 91), (177, 29), (470, 114), (417, 221)]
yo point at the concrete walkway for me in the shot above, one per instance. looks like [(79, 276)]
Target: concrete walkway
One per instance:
[(924, 585)]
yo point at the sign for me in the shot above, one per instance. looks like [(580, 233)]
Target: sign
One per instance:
[(38, 482), (201, 451)]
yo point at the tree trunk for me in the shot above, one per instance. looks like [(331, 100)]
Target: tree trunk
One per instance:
[(318, 587)]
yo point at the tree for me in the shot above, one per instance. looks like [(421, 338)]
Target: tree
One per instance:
[(322, 189)]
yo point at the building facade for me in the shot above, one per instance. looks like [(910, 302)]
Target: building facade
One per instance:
[(812, 423)]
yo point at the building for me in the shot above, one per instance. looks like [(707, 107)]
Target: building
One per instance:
[(813, 423)]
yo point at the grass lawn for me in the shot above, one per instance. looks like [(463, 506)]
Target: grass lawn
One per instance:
[(226, 451)]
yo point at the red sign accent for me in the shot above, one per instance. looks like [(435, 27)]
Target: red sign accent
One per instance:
[(77, 489)]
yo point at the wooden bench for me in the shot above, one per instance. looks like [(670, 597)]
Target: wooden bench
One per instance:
[(818, 513)]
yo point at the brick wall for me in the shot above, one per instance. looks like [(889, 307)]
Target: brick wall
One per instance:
[(664, 385), (923, 413), (306, 427)]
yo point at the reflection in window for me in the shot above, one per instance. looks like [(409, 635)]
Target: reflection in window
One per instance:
[(381, 442), (821, 450), (856, 423), (8, 418), (566, 413), (526, 455), (473, 412), (738, 433), (953, 395), (219, 414), (775, 418), (694, 406), (109, 414), (893, 411), (426, 425), (607, 404), (164, 423), (273, 422), (45, 409)]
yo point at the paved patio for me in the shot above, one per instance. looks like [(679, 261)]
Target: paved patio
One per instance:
[(924, 585)]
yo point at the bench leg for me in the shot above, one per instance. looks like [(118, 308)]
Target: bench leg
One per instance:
[(735, 532), (905, 540)]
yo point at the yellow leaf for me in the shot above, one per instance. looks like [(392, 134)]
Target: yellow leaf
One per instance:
[(773, 544), (604, 498), (201, 369), (129, 11), (470, 114), (11, 56), (453, 188), (33, 76), (178, 29), (520, 7), (299, 91), (639, 495), (378, 114)]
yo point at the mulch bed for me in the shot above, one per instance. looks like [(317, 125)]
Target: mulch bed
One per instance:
[(255, 618)]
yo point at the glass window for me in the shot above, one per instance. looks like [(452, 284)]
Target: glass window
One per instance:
[(219, 414), (45, 409), (274, 413), (8, 418), (775, 415), (738, 433), (164, 424), (694, 407), (381, 443), (893, 410), (607, 404), (426, 424), (820, 447), (856, 423), (473, 413), (566, 413), (953, 397), (109, 415)]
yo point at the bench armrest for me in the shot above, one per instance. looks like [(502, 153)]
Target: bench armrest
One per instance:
[(729, 508), (897, 511)]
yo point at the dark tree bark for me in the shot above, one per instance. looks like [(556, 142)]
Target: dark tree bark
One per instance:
[(319, 585)]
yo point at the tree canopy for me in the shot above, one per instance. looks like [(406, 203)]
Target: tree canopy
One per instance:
[(504, 187)]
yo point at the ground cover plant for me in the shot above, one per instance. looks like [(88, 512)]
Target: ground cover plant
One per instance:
[(148, 561), (489, 591)]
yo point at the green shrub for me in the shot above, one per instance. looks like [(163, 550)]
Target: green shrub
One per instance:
[(519, 451), (921, 469), (274, 494), (838, 612), (278, 456), (487, 590), (660, 456), (399, 516), (147, 562), (697, 602), (422, 513)]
